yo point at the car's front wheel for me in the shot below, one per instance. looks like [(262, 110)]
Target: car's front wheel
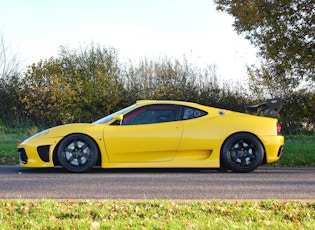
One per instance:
[(242, 152), (77, 153)]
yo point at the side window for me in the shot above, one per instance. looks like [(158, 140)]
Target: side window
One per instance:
[(151, 114), (190, 113)]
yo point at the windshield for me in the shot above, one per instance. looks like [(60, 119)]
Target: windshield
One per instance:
[(110, 117)]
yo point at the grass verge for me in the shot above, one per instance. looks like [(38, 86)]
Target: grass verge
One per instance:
[(156, 214), (9, 140), (299, 151)]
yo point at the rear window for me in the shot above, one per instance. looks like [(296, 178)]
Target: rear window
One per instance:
[(191, 113)]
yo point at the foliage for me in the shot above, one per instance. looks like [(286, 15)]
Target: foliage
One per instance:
[(10, 107), (9, 64), (82, 86), (284, 33), (9, 82), (75, 87), (86, 84), (298, 112), (264, 82), (283, 30), (167, 79), (155, 214)]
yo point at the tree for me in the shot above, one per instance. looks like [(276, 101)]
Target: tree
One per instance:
[(167, 79), (266, 82), (9, 64), (77, 86), (9, 83), (283, 30)]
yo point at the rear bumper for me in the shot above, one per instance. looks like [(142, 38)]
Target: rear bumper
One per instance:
[(274, 146)]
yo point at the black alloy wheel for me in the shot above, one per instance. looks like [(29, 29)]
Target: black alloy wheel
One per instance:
[(242, 152), (77, 153)]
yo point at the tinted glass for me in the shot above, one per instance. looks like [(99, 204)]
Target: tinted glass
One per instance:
[(190, 113), (151, 114), (110, 117)]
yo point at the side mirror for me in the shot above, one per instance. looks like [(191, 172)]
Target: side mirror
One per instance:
[(119, 117)]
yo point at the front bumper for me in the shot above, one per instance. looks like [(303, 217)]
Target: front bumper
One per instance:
[(39, 154)]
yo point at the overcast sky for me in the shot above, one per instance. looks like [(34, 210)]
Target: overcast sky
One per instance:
[(135, 28)]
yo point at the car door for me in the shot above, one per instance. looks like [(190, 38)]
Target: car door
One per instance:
[(195, 138), (149, 133)]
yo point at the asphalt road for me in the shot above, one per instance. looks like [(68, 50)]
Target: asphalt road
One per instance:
[(264, 183)]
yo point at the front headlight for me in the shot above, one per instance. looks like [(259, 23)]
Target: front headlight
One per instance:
[(42, 133)]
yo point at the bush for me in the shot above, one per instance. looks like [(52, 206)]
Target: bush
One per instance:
[(86, 84)]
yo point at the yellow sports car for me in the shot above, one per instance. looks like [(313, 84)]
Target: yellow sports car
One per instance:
[(159, 134)]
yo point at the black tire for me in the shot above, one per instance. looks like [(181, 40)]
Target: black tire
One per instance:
[(242, 152), (77, 153)]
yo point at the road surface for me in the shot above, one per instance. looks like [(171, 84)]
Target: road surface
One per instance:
[(264, 183)]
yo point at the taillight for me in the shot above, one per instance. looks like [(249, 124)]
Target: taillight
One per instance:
[(278, 128)]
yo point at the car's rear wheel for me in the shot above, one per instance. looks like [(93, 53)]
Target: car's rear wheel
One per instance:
[(242, 152), (77, 153)]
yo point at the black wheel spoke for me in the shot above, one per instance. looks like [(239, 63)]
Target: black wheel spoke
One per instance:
[(84, 146), (235, 149), (85, 155), (67, 150), (249, 146), (76, 145), (238, 156), (252, 156), (80, 161), (243, 161), (71, 158), (241, 144)]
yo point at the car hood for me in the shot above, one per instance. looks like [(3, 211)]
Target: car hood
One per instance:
[(64, 130)]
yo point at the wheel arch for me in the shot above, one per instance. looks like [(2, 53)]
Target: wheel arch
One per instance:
[(55, 151), (243, 132)]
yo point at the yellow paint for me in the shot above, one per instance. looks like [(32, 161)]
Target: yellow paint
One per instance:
[(187, 143)]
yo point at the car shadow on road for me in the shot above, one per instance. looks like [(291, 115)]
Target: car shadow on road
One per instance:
[(16, 169), (98, 170)]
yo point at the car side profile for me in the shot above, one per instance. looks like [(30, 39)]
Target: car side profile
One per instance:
[(159, 134)]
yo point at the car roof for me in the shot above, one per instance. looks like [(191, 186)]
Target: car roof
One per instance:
[(165, 101)]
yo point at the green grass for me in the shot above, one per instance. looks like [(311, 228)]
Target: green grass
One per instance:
[(299, 150), (156, 214), (9, 139), (8, 153)]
